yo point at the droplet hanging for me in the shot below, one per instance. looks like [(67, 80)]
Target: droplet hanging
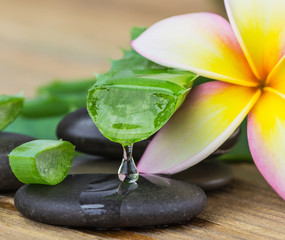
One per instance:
[(128, 171)]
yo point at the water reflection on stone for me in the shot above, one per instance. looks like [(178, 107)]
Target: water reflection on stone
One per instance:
[(102, 201)]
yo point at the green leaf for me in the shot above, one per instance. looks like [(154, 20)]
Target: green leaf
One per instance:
[(44, 107), (134, 65), (200, 80), (59, 87), (58, 98), (41, 128), (10, 108), (42, 161), (136, 32), (41, 115), (142, 106), (136, 97)]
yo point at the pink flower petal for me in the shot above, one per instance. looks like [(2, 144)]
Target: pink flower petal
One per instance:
[(201, 42), (260, 29), (208, 117), (266, 137)]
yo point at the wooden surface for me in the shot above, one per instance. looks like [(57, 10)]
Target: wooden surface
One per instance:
[(43, 40), (246, 209)]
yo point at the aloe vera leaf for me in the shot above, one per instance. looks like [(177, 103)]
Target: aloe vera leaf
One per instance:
[(44, 107), (136, 97), (59, 87), (41, 128), (10, 108), (128, 110), (42, 161)]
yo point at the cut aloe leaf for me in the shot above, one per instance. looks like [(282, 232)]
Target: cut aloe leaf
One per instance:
[(10, 108), (136, 97), (130, 110), (42, 161)]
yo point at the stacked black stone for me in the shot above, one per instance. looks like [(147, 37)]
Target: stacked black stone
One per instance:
[(79, 129), (88, 198), (9, 141)]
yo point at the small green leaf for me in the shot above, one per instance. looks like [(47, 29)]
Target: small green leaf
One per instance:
[(136, 32), (42, 161), (10, 108)]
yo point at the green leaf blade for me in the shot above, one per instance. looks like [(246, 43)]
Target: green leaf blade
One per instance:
[(10, 108), (142, 107), (44, 107)]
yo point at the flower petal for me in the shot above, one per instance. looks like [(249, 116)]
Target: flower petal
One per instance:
[(276, 79), (201, 42), (260, 29), (266, 137), (208, 117)]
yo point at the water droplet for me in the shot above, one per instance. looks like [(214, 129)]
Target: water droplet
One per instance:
[(128, 172)]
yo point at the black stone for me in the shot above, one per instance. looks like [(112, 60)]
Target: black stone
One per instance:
[(79, 129), (102, 201), (210, 174), (9, 141)]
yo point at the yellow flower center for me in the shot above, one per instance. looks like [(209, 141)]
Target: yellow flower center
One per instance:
[(262, 85)]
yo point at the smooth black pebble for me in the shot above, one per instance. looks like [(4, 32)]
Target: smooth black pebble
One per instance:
[(9, 141), (102, 201), (79, 129), (210, 174)]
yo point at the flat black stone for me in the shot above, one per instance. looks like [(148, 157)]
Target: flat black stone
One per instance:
[(79, 129), (210, 174), (9, 141), (101, 201)]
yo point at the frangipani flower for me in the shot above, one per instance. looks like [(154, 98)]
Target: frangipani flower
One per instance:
[(247, 57)]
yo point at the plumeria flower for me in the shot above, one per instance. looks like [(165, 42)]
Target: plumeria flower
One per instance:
[(247, 57)]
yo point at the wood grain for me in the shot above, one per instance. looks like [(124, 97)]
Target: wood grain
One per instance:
[(43, 40), (246, 209)]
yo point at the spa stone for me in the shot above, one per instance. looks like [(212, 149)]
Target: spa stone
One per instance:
[(79, 129), (9, 141), (101, 201)]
